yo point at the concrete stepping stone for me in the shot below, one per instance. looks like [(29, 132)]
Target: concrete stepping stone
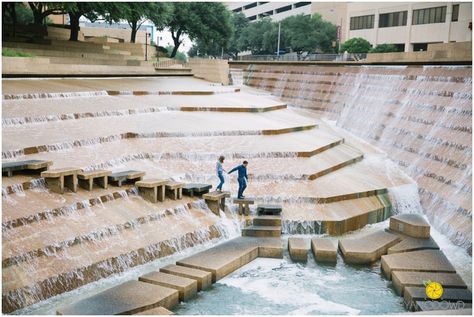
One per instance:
[(269, 209), (298, 248), (413, 225), (402, 279), (227, 257), (86, 179), (324, 249), (413, 294), (152, 190), (262, 231), (272, 221), (367, 249), (203, 278), (156, 311), (187, 287), (418, 261), (35, 165), (193, 189), (176, 189), (128, 298), (121, 177), (58, 179), (215, 200), (409, 244), (244, 204)]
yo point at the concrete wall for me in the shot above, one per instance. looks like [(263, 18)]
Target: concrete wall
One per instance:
[(55, 33), (420, 116), (123, 34), (213, 70)]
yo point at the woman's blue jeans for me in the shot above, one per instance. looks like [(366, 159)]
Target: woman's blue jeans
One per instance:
[(221, 178)]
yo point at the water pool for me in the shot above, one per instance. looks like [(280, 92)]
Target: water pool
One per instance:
[(281, 287)]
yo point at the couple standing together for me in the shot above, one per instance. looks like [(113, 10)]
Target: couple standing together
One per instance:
[(242, 172)]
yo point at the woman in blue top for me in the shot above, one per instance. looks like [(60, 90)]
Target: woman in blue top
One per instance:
[(220, 171)]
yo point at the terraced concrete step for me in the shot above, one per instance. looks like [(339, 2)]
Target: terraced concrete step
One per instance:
[(229, 256), (416, 261), (268, 209), (413, 225), (272, 221), (128, 298), (413, 294), (409, 244), (156, 311), (402, 279), (324, 249), (262, 231), (298, 248), (203, 278), (369, 248), (187, 287)]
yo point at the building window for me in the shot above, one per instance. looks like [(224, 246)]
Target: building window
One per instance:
[(393, 19), (265, 14), (420, 47), (237, 9), (455, 16), (301, 4), (253, 17), (362, 22), (260, 3), (251, 5), (430, 15), (283, 9)]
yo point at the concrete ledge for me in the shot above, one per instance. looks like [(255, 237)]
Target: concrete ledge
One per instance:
[(413, 225), (298, 248), (368, 248), (273, 221), (401, 279), (187, 287), (416, 261), (203, 278), (156, 311), (414, 294), (262, 231), (324, 249), (128, 298), (409, 244)]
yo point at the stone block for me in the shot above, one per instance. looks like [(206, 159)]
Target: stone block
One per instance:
[(152, 190), (58, 179), (203, 278), (409, 244), (244, 205), (416, 261), (215, 201), (262, 231), (193, 189), (86, 179), (187, 287), (267, 221), (156, 311), (401, 279), (413, 225), (367, 249), (128, 298), (269, 209), (413, 294), (175, 189), (324, 249), (298, 248), (124, 176), (35, 165)]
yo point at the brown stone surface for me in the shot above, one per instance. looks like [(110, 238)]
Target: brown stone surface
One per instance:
[(149, 183), (298, 248), (203, 278), (437, 308), (367, 249), (229, 256), (267, 221), (324, 249), (413, 225), (187, 287), (156, 311), (412, 294), (409, 244), (128, 298), (401, 279), (418, 261), (261, 231)]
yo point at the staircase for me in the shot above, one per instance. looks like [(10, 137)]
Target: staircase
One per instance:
[(264, 226)]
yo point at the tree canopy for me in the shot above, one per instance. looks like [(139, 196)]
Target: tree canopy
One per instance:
[(384, 48), (356, 45)]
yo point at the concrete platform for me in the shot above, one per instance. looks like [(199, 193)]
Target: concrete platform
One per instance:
[(35, 165), (262, 231), (413, 225), (298, 248), (402, 279), (58, 179), (416, 261), (244, 204), (440, 308), (156, 311), (215, 200), (86, 179), (412, 294), (196, 189), (367, 249), (152, 190), (324, 249), (269, 209), (203, 278), (267, 221), (128, 298), (225, 258), (409, 244), (187, 287)]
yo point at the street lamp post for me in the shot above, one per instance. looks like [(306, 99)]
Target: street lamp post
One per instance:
[(278, 44), (146, 46)]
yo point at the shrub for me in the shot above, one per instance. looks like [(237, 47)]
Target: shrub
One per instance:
[(11, 53), (356, 45), (384, 48)]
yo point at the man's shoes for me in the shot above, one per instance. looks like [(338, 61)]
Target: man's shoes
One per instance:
[(243, 197)]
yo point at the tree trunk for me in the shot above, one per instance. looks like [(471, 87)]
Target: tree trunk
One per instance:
[(176, 42), (74, 22), (134, 31), (37, 14)]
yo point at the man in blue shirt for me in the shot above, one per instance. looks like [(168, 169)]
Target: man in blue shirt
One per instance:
[(242, 178)]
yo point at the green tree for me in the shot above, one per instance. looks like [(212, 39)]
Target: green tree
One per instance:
[(41, 10), (309, 33), (179, 55), (255, 35), (239, 22), (76, 10), (356, 45), (207, 21), (384, 48)]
